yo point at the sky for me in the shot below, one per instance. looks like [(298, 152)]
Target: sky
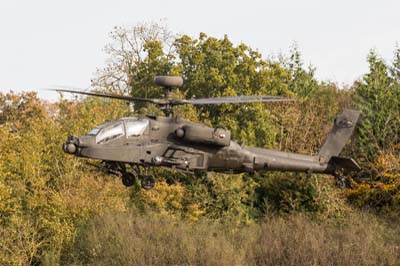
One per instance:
[(51, 42)]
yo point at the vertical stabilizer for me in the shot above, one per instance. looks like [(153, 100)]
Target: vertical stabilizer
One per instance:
[(339, 135)]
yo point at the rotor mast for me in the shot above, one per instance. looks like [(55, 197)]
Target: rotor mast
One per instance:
[(167, 108), (168, 83)]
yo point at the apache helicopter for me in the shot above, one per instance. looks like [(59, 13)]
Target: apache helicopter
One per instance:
[(141, 142)]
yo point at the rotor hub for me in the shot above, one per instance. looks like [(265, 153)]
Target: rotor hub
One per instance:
[(168, 82)]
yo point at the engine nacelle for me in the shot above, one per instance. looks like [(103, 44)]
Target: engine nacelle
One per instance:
[(204, 135)]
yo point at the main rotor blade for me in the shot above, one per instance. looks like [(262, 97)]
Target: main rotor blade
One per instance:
[(172, 102), (238, 99), (112, 96)]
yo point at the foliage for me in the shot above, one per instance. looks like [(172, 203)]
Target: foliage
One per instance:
[(377, 95), (133, 50), (302, 81), (288, 193), (55, 209), (382, 192), (43, 192)]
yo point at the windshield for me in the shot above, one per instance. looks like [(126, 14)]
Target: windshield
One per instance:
[(96, 130), (110, 133), (136, 128)]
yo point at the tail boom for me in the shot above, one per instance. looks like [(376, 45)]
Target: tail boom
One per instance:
[(271, 160), (327, 161)]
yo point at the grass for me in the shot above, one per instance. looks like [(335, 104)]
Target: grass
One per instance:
[(133, 239)]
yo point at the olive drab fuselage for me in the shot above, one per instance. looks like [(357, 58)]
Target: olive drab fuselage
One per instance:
[(166, 141), (173, 142), (178, 143)]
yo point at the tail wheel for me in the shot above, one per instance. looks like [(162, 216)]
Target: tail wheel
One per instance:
[(128, 179), (147, 182)]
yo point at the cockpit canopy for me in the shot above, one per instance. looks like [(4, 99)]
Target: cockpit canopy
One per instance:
[(129, 127)]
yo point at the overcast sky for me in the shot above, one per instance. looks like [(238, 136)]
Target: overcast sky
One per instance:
[(49, 42)]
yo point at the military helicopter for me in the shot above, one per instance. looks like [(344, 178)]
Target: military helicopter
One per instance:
[(129, 146)]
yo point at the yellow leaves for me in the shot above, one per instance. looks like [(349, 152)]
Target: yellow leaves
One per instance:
[(39, 184), (387, 165), (194, 212), (20, 242), (8, 204), (168, 199), (5, 194), (154, 49), (79, 117), (171, 200), (91, 194), (380, 196)]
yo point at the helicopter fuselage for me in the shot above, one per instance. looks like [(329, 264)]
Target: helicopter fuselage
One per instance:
[(163, 141), (180, 144)]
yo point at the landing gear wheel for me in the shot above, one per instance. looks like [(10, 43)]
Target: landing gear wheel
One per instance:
[(340, 180), (147, 182), (128, 179)]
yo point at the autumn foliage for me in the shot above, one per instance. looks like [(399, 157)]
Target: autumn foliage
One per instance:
[(56, 209)]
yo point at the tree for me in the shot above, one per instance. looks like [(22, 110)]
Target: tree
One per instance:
[(377, 96), (130, 49), (44, 193), (302, 81)]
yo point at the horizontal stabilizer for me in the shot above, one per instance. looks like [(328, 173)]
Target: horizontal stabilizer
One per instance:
[(347, 164)]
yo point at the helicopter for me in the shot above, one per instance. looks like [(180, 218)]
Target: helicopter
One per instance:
[(129, 146)]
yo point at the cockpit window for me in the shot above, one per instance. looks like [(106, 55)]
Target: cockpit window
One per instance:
[(96, 130), (109, 133), (136, 128)]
